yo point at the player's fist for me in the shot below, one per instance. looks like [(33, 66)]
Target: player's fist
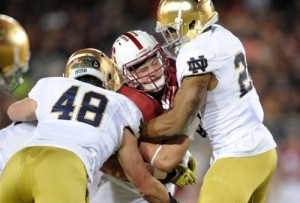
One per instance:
[(181, 176)]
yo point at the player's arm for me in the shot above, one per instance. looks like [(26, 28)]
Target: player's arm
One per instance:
[(131, 161), (188, 101), (112, 167), (23, 110), (169, 155)]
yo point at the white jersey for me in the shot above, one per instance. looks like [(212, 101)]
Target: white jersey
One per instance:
[(82, 118), (232, 111), (12, 138)]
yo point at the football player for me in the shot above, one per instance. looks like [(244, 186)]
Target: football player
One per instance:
[(150, 82), (79, 126), (214, 81), (14, 58)]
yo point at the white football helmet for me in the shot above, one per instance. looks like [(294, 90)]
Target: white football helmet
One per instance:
[(133, 48), (180, 21), (95, 63), (14, 53)]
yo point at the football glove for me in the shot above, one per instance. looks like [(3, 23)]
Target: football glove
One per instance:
[(181, 176), (192, 164), (189, 161)]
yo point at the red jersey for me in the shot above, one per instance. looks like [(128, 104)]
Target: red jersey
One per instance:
[(149, 106)]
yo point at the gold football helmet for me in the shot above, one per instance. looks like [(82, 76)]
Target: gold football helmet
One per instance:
[(93, 62), (14, 53), (180, 21)]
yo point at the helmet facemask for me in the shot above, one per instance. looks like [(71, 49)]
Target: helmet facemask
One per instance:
[(135, 79), (141, 61), (171, 36)]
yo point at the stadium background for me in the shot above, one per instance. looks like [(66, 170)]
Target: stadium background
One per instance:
[(269, 30)]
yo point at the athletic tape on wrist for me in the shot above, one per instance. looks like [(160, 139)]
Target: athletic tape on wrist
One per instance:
[(155, 154)]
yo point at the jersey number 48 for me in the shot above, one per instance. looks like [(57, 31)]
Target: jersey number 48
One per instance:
[(91, 110)]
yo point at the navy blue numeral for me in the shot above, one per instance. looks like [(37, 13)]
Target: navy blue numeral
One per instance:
[(88, 113), (245, 81), (65, 104), (97, 110)]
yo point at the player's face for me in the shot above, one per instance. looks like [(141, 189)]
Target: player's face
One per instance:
[(150, 71)]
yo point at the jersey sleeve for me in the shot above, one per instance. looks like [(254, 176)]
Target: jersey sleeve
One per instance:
[(196, 60), (40, 91), (5, 132), (35, 91), (133, 117)]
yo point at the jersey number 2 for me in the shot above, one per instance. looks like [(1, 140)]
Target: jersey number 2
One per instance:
[(245, 81), (89, 113)]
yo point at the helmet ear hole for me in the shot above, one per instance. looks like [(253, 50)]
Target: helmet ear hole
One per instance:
[(192, 25)]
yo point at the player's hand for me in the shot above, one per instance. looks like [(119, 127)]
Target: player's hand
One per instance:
[(168, 97), (192, 164), (181, 176)]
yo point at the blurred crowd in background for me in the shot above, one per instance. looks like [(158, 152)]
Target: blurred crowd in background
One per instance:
[(269, 30)]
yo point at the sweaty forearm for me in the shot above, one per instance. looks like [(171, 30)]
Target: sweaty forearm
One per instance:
[(170, 152), (161, 127), (187, 103)]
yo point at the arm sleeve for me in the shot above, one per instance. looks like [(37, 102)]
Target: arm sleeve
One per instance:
[(133, 117), (39, 94), (196, 62)]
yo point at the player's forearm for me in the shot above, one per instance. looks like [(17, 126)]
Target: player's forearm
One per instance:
[(169, 154), (23, 110), (112, 167), (187, 103), (156, 194), (161, 127)]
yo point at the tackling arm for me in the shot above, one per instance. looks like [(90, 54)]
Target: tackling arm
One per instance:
[(132, 162), (189, 99), (170, 154), (112, 167)]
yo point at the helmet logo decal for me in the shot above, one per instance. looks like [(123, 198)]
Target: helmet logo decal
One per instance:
[(134, 40), (96, 64), (74, 61), (197, 64)]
